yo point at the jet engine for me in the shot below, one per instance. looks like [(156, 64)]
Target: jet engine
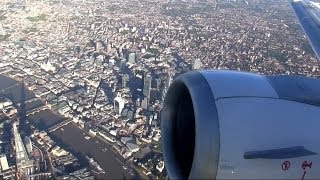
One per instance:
[(237, 125)]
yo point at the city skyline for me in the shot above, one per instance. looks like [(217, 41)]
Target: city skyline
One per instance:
[(99, 71)]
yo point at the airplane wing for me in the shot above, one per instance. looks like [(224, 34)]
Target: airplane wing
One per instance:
[(308, 14)]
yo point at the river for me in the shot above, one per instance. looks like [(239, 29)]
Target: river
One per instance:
[(70, 136)]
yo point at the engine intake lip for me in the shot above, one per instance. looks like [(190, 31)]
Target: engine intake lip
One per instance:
[(191, 148)]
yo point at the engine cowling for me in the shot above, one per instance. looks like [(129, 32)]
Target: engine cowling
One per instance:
[(236, 125)]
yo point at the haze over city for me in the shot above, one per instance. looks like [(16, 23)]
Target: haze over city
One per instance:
[(82, 83)]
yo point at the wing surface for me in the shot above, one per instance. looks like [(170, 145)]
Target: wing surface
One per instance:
[(308, 14)]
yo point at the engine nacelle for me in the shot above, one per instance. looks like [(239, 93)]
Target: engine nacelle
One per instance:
[(236, 125)]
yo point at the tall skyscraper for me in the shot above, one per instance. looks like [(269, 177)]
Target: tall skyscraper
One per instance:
[(147, 85), (197, 64), (125, 80), (144, 103), (132, 58), (23, 162), (109, 48), (167, 84), (122, 63), (99, 46), (118, 104), (99, 61), (169, 80), (158, 83), (4, 162), (28, 145), (121, 51)]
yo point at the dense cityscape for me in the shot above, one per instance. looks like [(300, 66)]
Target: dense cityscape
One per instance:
[(98, 71)]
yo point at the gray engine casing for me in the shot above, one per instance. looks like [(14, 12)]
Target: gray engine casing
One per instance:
[(236, 125)]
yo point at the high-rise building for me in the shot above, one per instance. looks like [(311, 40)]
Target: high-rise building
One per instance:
[(169, 80), (98, 46), (99, 61), (4, 162), (158, 85), (144, 103), (111, 63), (132, 58), (121, 51), (167, 84), (122, 63), (138, 102), (28, 145), (23, 162), (147, 85), (163, 94), (125, 80), (109, 48), (197, 64), (118, 104)]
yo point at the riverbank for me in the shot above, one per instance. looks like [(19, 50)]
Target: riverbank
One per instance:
[(71, 137)]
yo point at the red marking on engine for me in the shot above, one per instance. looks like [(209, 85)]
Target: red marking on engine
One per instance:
[(305, 165), (304, 173), (286, 165)]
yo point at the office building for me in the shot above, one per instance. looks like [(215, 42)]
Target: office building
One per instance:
[(4, 162), (158, 83), (118, 104), (167, 84), (28, 145), (23, 163), (99, 61), (125, 80), (132, 58), (147, 85), (197, 64), (145, 103)]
